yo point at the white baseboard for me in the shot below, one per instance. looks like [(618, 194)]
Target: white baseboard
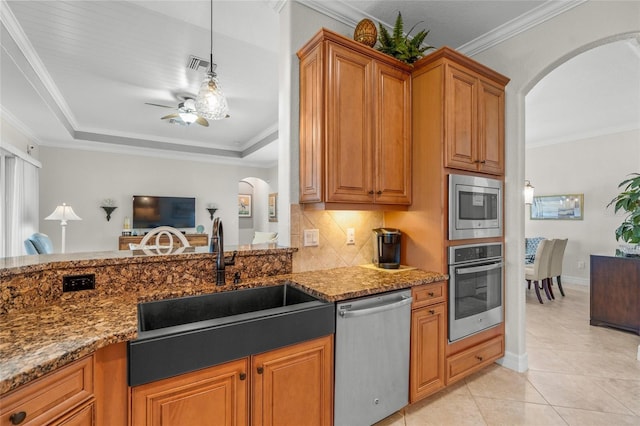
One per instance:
[(575, 280), (515, 362)]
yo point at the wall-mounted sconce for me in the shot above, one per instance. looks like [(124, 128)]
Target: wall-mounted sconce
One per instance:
[(212, 211), (108, 207), (528, 192)]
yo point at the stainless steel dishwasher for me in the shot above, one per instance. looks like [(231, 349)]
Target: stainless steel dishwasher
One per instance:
[(372, 357)]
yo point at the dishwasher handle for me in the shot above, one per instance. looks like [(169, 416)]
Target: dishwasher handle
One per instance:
[(381, 308)]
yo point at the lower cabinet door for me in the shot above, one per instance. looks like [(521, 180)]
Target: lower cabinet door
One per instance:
[(428, 337), (294, 385), (83, 416), (211, 396)]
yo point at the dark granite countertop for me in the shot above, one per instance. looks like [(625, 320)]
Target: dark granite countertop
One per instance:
[(36, 341)]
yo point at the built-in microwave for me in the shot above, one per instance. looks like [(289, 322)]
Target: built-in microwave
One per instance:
[(475, 207)]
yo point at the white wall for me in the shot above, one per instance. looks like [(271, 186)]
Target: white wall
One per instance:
[(593, 167), (298, 24), (83, 179), (526, 58)]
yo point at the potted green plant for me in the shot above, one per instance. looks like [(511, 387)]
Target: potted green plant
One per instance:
[(629, 201), (400, 45)]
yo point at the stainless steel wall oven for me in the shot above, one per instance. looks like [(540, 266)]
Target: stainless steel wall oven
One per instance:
[(475, 288)]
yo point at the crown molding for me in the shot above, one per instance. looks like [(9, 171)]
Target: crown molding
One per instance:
[(19, 125), (522, 23), (342, 12), (276, 5), (26, 48)]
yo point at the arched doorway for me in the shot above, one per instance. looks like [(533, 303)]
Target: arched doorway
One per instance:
[(253, 208)]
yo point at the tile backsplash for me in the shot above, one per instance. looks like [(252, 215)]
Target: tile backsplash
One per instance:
[(332, 251)]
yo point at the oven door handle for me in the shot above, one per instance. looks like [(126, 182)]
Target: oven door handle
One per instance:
[(474, 269)]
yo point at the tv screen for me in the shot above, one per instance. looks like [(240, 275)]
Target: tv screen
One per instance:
[(150, 212)]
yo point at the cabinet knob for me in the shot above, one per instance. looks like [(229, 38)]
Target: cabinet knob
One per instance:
[(17, 418), (479, 358), (431, 311), (379, 192), (371, 192), (243, 376), (431, 294), (483, 161), (260, 370)]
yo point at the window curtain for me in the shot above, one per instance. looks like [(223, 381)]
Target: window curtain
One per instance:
[(19, 215)]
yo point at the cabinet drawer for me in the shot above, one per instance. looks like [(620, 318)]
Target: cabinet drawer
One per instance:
[(473, 359), (50, 396), (429, 294)]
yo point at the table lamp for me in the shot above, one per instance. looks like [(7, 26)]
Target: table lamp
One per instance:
[(63, 213)]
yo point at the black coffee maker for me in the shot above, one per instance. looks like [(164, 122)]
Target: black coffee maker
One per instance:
[(386, 248)]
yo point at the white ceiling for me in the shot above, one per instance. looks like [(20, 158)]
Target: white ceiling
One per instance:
[(78, 73)]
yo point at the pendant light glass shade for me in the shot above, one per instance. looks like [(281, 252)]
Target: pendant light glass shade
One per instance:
[(210, 102)]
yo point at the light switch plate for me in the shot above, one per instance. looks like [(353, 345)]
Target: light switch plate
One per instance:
[(311, 237)]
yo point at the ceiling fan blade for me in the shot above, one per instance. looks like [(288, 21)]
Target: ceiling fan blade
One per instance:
[(158, 105), (203, 122), (174, 115)]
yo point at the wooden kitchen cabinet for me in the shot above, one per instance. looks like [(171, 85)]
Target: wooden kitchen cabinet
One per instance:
[(290, 385), (428, 341), (355, 125), (474, 120), (83, 416), (52, 399), (294, 385), (473, 359), (212, 396)]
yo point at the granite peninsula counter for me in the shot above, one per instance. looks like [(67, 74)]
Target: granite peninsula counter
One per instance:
[(37, 338)]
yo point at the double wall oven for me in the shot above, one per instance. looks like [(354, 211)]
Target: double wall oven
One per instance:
[(475, 270)]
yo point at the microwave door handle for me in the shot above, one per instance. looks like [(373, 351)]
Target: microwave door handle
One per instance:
[(483, 268)]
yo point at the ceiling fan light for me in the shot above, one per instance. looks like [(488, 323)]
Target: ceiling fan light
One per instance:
[(188, 117), (210, 102)]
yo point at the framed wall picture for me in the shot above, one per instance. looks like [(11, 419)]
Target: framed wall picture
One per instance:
[(558, 207), (273, 207), (244, 205)]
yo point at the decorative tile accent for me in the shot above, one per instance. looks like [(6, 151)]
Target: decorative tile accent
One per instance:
[(332, 252)]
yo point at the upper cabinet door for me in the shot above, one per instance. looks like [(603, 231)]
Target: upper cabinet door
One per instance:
[(392, 139), (461, 112), (349, 126), (491, 127)]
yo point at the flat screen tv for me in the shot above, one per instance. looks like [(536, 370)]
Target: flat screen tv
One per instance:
[(150, 212)]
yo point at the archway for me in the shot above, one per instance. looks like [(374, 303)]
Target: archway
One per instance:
[(253, 209)]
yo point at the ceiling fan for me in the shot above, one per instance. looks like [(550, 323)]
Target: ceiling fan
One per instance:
[(186, 114)]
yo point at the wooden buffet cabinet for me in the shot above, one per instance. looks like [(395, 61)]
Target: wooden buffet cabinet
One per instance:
[(193, 239), (615, 292), (355, 125)]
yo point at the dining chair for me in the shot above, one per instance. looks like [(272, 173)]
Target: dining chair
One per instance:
[(538, 272), (555, 267)]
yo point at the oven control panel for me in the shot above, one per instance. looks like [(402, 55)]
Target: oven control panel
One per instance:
[(473, 252)]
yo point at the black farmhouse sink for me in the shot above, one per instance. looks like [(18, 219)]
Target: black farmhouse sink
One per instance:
[(176, 336)]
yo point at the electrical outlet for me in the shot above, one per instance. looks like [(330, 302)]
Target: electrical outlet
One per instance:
[(311, 237), (581, 264), (351, 236), (78, 282)]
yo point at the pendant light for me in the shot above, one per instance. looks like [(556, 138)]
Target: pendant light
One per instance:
[(210, 102)]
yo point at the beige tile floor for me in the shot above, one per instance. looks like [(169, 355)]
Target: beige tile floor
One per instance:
[(578, 375)]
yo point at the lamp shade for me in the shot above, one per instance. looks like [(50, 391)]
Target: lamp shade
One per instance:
[(528, 192), (210, 102), (63, 213)]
